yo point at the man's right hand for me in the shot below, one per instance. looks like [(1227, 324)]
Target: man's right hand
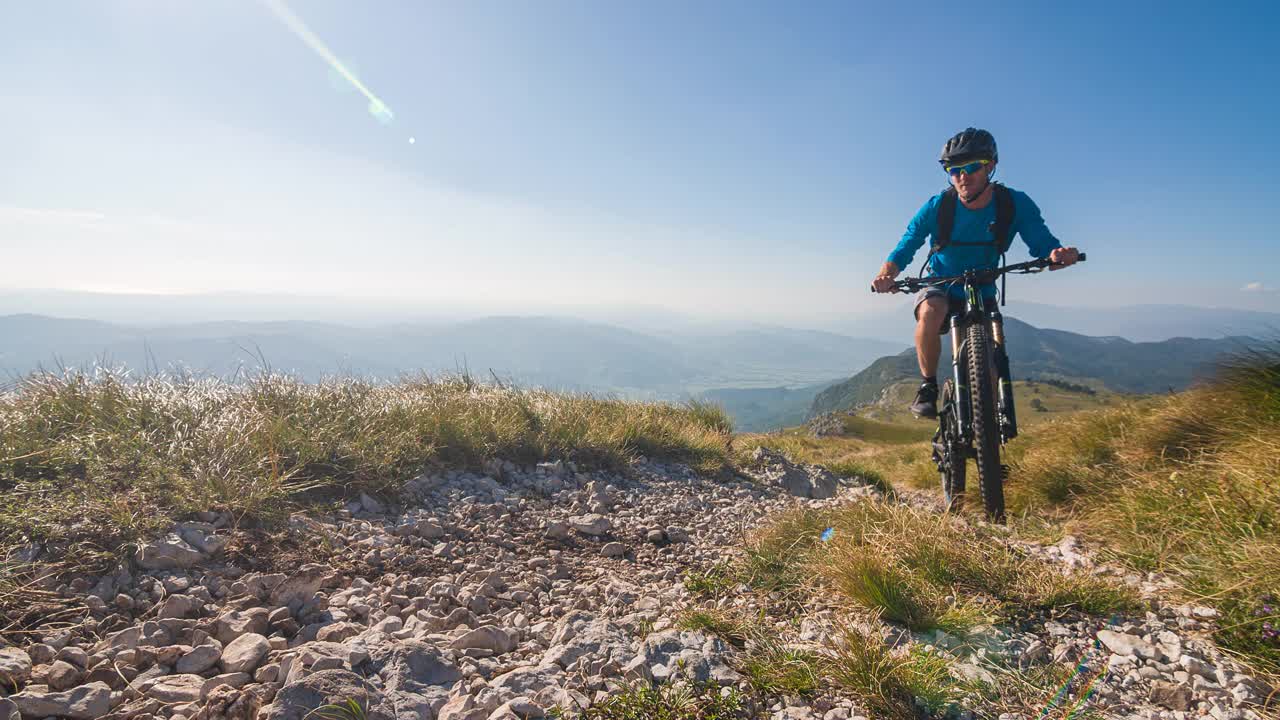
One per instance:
[(883, 282)]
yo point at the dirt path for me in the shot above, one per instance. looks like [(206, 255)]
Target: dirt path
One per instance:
[(502, 595)]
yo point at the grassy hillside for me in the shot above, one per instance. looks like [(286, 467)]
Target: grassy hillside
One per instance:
[(1116, 363), (1187, 484), (90, 464)]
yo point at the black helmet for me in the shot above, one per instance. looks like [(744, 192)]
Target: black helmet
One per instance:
[(969, 144)]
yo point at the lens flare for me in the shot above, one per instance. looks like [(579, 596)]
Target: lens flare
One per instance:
[(377, 108)]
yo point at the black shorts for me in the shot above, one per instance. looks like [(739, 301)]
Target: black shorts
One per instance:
[(954, 305)]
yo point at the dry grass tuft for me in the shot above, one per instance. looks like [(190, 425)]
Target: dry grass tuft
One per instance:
[(926, 571)]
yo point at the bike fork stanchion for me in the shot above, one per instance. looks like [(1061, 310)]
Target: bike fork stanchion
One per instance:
[(961, 376), (1009, 424)]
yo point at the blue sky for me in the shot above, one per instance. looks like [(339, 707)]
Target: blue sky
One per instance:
[(730, 159)]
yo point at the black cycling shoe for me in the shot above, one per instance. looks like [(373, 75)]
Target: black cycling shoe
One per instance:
[(926, 402)]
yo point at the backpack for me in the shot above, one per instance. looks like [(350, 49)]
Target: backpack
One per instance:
[(1000, 238)]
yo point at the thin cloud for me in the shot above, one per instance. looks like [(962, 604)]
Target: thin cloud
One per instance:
[(1257, 287)]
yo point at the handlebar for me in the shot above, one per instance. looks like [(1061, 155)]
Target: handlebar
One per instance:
[(981, 277)]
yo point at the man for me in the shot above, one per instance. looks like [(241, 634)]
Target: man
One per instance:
[(969, 159)]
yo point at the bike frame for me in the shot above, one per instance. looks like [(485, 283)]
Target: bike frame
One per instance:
[(975, 311)]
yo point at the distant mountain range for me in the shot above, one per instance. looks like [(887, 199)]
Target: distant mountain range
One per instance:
[(1035, 353), (891, 321), (764, 376), (561, 353), (1151, 323)]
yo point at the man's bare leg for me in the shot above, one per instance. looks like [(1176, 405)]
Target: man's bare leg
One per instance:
[(929, 319)]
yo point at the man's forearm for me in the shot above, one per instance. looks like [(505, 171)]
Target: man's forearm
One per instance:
[(889, 270)]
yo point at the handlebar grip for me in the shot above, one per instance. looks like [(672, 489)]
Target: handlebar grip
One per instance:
[(1082, 257)]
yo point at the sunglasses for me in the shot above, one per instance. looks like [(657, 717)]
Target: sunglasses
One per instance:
[(967, 168)]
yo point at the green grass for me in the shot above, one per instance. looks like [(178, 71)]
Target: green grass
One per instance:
[(890, 682), (885, 587), (772, 667), (903, 563), (676, 701), (91, 464), (775, 558), (713, 582), (733, 630)]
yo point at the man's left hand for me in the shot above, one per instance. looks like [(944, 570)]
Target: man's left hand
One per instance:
[(1063, 256)]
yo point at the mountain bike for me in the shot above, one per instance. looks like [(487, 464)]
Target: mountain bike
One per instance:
[(975, 411)]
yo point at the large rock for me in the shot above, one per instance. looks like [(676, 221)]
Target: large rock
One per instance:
[(809, 481), (200, 536), (176, 688), (168, 553), (15, 667), (581, 634), (201, 658), (86, 702), (300, 699), (233, 624), (463, 707), (414, 666), (9, 711), (244, 653), (487, 637), (62, 675), (299, 587), (178, 606), (337, 632), (518, 709), (1129, 645), (541, 683), (1170, 695), (690, 654), (592, 524)]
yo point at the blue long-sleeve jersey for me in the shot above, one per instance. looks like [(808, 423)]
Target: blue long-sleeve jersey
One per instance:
[(971, 226)]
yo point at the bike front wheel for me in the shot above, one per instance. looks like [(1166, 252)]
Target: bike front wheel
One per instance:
[(986, 427)]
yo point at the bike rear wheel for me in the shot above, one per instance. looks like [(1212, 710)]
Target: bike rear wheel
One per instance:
[(986, 427), (951, 459)]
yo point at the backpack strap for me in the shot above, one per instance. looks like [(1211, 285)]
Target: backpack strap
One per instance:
[(946, 218), (1004, 218)]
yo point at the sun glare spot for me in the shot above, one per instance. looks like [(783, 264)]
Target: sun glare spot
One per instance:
[(377, 107), (380, 111)]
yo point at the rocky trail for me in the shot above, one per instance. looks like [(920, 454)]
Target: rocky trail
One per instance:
[(503, 595)]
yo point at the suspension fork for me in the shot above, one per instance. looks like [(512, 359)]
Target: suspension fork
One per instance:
[(1006, 379), (962, 408)]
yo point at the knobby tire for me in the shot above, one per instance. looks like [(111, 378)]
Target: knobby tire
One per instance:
[(953, 459), (986, 428)]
